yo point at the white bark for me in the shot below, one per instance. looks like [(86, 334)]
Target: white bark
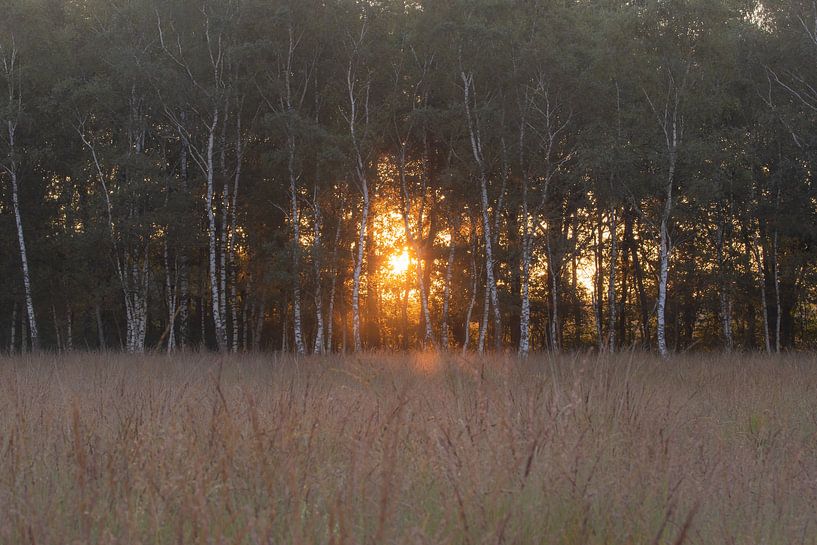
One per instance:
[(239, 152), (11, 73), (611, 282), (664, 249), (776, 273), (317, 228), (476, 148), (215, 292), (334, 282), (670, 123), (763, 299), (215, 91), (171, 297), (527, 240), (13, 335), (184, 285), (130, 259), (295, 216), (725, 303), (363, 183), (57, 333), (100, 329), (69, 330), (555, 276), (449, 271), (27, 291)]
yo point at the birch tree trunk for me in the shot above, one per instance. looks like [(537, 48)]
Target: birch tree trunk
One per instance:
[(224, 234), (776, 273), (527, 247), (476, 148), (294, 211), (13, 334), (100, 329), (317, 228), (664, 250), (184, 272), (172, 301), (449, 270), (670, 126), (330, 315), (11, 73), (18, 221), (212, 245), (611, 282), (763, 300), (232, 263), (363, 183), (725, 304), (131, 258), (554, 272)]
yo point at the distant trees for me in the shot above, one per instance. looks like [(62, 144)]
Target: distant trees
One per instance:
[(317, 177)]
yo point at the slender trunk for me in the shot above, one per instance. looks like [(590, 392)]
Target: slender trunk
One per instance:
[(334, 283), (231, 245), (259, 327), (170, 295), (317, 228), (184, 272), (598, 281), (474, 285), (224, 234), (476, 147), (414, 242), (776, 273), (361, 252), (215, 292), (646, 336), (23, 334), (449, 270), (554, 273), (665, 249), (404, 312), (13, 335), (725, 304), (300, 347), (100, 330), (245, 330), (760, 259), (69, 330), (363, 182), (57, 333), (611, 282), (27, 291), (662, 290), (527, 236), (483, 326)]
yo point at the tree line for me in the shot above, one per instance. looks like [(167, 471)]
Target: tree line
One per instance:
[(346, 175)]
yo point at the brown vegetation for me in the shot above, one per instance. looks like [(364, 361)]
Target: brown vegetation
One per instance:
[(408, 449)]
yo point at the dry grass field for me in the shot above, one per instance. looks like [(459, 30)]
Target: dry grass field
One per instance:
[(420, 448)]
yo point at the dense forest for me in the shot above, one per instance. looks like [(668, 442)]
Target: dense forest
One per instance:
[(346, 175)]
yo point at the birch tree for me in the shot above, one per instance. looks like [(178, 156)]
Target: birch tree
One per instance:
[(358, 93), (201, 144), (10, 116)]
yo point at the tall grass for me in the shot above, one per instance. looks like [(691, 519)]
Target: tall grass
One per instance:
[(408, 449)]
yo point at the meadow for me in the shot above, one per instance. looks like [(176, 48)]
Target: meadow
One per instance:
[(418, 448)]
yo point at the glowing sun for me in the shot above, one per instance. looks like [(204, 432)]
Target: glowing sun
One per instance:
[(399, 263)]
